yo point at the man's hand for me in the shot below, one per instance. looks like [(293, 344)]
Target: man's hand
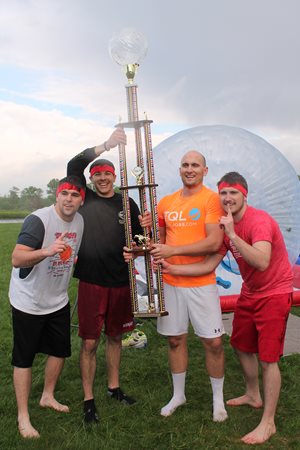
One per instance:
[(117, 137), (160, 251), (128, 254), (58, 246), (227, 223), (146, 220), (165, 266)]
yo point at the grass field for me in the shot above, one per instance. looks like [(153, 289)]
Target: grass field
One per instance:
[(145, 375)]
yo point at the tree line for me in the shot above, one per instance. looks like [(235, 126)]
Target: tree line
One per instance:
[(29, 198), (32, 198)]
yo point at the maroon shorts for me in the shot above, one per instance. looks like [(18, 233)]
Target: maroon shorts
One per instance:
[(98, 306), (259, 325)]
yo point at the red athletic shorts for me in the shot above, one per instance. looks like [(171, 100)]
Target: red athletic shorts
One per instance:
[(259, 325), (98, 306)]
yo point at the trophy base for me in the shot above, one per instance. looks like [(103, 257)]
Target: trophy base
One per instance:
[(140, 249), (146, 314)]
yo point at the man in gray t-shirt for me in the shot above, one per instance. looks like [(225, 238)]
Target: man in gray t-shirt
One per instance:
[(42, 261)]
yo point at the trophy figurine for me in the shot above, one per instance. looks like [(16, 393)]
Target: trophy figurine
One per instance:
[(138, 173), (143, 243), (128, 48)]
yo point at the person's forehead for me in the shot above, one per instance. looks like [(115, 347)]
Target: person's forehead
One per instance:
[(100, 171), (192, 157), (229, 189), (69, 191)]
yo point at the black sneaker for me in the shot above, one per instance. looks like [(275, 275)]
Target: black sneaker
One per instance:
[(90, 412), (119, 395)]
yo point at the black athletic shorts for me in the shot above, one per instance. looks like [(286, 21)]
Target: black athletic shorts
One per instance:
[(47, 333)]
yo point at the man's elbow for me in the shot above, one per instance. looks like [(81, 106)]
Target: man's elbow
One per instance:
[(217, 246), (262, 265), (262, 268), (214, 246), (15, 262)]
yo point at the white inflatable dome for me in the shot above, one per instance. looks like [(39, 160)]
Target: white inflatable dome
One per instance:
[(273, 183)]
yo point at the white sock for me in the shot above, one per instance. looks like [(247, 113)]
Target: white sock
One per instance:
[(219, 411), (178, 394)]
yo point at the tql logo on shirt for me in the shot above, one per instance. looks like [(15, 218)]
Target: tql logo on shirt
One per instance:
[(177, 216)]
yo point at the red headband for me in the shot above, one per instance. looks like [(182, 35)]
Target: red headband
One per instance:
[(69, 186), (104, 168), (237, 186)]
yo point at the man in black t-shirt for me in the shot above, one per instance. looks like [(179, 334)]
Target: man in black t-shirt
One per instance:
[(103, 292)]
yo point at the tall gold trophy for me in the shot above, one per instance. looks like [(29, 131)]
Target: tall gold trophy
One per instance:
[(127, 48)]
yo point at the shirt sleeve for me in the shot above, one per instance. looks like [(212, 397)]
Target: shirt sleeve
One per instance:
[(77, 165), (32, 235), (160, 212), (214, 210), (32, 232)]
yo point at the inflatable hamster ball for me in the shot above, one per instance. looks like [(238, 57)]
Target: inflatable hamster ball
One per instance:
[(273, 183)]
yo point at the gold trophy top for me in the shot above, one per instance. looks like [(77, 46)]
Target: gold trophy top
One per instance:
[(130, 71), (138, 173)]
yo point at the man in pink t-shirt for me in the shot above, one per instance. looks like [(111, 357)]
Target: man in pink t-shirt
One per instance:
[(262, 309)]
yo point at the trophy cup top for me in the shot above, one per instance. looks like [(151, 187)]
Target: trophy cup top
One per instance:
[(127, 48), (138, 173)]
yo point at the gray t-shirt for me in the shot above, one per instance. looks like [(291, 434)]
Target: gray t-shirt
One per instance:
[(42, 289)]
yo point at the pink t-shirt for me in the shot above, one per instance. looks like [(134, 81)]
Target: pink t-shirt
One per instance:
[(255, 226)]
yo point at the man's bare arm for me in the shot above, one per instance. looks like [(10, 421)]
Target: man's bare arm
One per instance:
[(210, 244), (24, 256), (204, 267), (257, 255)]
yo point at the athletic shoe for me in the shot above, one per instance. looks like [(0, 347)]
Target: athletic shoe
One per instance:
[(137, 339), (119, 395), (90, 412)]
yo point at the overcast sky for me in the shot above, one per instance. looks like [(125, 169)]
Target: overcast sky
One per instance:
[(230, 62)]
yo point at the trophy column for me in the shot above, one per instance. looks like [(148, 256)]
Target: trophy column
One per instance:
[(143, 173)]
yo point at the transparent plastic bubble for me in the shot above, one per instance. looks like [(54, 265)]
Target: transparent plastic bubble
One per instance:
[(273, 183), (129, 46)]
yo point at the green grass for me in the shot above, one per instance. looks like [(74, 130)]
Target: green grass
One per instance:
[(296, 311), (12, 214), (145, 375)]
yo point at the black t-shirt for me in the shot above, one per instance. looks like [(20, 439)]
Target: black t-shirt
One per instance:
[(100, 258)]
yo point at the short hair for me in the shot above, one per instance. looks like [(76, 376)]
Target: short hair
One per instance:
[(102, 162), (74, 180), (233, 178)]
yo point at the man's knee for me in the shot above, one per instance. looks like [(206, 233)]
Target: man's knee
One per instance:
[(176, 341), (269, 366), (214, 345), (89, 346), (114, 340)]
